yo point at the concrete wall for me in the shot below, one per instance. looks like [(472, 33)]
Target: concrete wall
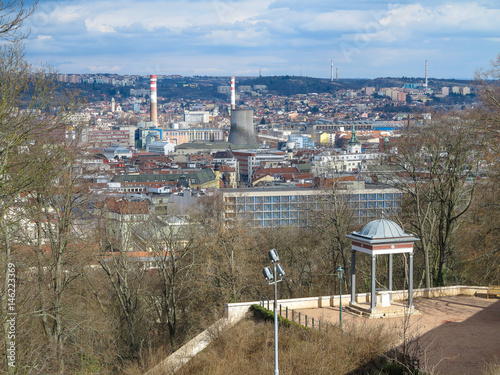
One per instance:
[(180, 357), (236, 311)]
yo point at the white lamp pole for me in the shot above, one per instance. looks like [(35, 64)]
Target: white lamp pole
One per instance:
[(340, 275), (273, 278)]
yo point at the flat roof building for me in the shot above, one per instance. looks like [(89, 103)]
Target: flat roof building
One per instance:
[(276, 207)]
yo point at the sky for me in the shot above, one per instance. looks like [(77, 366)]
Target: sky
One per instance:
[(363, 38)]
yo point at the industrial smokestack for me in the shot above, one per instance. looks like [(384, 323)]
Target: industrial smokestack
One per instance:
[(153, 101), (337, 74), (426, 74), (331, 72), (233, 95)]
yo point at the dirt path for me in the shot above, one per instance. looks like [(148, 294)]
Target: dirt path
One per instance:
[(453, 335)]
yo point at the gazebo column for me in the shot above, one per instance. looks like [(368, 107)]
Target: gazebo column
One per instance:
[(353, 277), (389, 275), (410, 282), (373, 297)]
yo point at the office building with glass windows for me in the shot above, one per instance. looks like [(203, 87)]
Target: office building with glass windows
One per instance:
[(276, 207)]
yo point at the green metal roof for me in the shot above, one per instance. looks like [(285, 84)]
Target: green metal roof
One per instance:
[(201, 177)]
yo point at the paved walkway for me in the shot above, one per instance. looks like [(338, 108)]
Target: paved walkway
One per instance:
[(454, 335)]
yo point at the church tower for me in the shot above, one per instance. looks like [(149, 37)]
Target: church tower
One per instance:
[(354, 145)]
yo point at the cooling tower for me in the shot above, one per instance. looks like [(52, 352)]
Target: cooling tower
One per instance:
[(242, 131)]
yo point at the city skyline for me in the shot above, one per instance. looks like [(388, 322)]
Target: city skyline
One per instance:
[(365, 39)]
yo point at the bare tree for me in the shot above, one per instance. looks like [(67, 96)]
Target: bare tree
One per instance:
[(231, 256), (334, 220), (13, 13), (480, 249), (25, 125), (437, 165), (125, 272), (170, 245)]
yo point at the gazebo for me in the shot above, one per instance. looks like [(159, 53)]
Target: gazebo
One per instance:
[(381, 237)]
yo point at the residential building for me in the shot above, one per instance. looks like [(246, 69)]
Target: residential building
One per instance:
[(204, 178), (301, 140), (194, 117), (161, 148), (249, 160), (104, 137), (117, 152)]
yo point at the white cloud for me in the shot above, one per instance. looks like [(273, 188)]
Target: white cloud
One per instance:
[(94, 26), (104, 68), (91, 34)]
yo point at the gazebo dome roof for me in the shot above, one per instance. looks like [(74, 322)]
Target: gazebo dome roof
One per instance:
[(381, 229)]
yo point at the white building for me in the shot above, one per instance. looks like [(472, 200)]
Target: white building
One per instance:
[(117, 152), (161, 148), (194, 117), (328, 164)]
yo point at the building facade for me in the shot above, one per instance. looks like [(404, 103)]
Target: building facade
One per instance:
[(277, 207), (249, 160)]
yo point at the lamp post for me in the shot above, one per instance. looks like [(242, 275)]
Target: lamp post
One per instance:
[(340, 275), (273, 277)]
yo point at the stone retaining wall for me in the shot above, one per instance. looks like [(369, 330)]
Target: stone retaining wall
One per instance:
[(236, 311)]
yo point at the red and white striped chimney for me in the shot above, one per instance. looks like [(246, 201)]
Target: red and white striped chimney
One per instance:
[(426, 74), (233, 94), (153, 101)]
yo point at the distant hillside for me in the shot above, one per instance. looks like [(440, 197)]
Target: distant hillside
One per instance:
[(290, 85), (206, 87)]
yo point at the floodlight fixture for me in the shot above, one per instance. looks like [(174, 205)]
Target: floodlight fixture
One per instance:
[(273, 255), (280, 271), (268, 273)]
